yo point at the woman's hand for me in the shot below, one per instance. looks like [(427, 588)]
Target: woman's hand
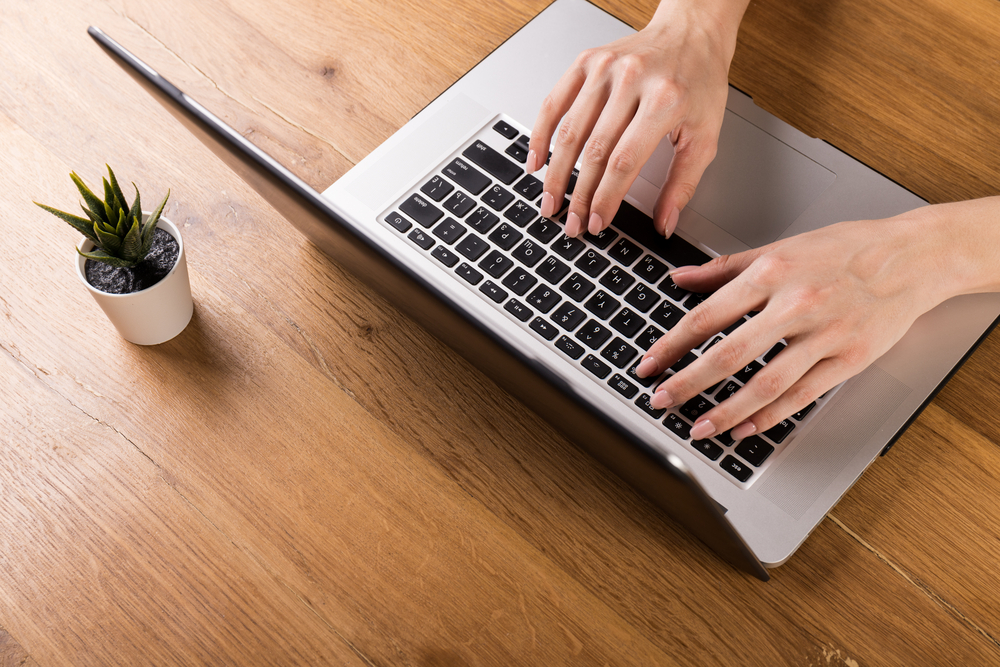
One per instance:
[(840, 296), (618, 101)]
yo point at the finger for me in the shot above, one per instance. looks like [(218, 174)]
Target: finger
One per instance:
[(711, 316), (728, 356), (553, 108), (576, 126), (693, 152), (650, 122), (712, 275), (777, 386)]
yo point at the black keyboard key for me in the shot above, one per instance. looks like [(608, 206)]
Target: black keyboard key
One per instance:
[(543, 328), (646, 381), (466, 176), (518, 152), (568, 316), (543, 298), (596, 366), (472, 247), (715, 341), (520, 213), (519, 281), (694, 300), (625, 252), (801, 414), (696, 407), (643, 403), (505, 236), (528, 187), (577, 287), (493, 162), (627, 322), (421, 210), (726, 438), (602, 304), (569, 347), (518, 310), (677, 426), (552, 270), (622, 386), (544, 229), (497, 198), (747, 372), (602, 239), (494, 291), (650, 269), (708, 448), (734, 326), (673, 291), (505, 129), (734, 467), (727, 391), (398, 222), (591, 263), (667, 315), (675, 250), (619, 353), (482, 220), (437, 188), (445, 256), (449, 231), (469, 274), (421, 239), (496, 264), (593, 333), (522, 142), (754, 450), (617, 280), (773, 352), (572, 182), (643, 298), (459, 204), (529, 253), (568, 247), (683, 362), (649, 336), (779, 431)]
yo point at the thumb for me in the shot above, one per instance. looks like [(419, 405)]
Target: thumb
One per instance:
[(690, 160), (712, 275)]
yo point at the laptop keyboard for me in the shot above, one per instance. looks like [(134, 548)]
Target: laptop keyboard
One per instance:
[(600, 300)]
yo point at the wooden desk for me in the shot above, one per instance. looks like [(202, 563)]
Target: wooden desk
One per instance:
[(304, 477)]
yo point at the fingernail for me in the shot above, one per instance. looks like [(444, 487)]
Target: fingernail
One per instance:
[(671, 223), (548, 205), (530, 165), (596, 224), (744, 430), (573, 225), (703, 429), (646, 367), (681, 270), (661, 400)]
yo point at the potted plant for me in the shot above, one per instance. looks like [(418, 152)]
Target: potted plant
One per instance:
[(132, 262)]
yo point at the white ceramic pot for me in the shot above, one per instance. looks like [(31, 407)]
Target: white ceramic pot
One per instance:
[(155, 314)]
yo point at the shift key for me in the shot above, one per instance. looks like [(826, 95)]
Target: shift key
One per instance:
[(493, 162)]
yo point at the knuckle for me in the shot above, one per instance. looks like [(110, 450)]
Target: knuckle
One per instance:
[(802, 394), (855, 354), (596, 151), (700, 321), (549, 105), (771, 269), (631, 66), (769, 385), (730, 355), (567, 135), (664, 94), (623, 162)]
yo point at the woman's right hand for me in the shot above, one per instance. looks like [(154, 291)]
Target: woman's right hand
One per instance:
[(618, 101)]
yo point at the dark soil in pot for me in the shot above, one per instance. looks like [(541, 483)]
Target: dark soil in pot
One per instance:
[(158, 263)]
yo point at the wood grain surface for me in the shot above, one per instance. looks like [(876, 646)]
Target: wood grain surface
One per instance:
[(305, 477)]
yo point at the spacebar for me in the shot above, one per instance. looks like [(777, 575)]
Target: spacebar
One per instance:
[(496, 164)]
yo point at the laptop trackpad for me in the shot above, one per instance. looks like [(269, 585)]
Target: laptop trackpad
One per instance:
[(757, 185)]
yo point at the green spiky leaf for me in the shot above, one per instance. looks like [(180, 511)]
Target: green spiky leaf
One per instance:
[(93, 201), (108, 241), (136, 210), (132, 244), (122, 227), (90, 214), (119, 195), (111, 207), (85, 227), (102, 256), (150, 227)]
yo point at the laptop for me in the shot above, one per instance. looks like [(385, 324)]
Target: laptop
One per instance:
[(443, 221)]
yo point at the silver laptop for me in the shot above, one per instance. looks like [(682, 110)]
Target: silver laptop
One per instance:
[(444, 222)]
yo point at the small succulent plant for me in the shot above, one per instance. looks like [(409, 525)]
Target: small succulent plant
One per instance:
[(120, 237)]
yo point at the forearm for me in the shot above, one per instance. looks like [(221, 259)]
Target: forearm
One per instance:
[(721, 18), (968, 236)]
